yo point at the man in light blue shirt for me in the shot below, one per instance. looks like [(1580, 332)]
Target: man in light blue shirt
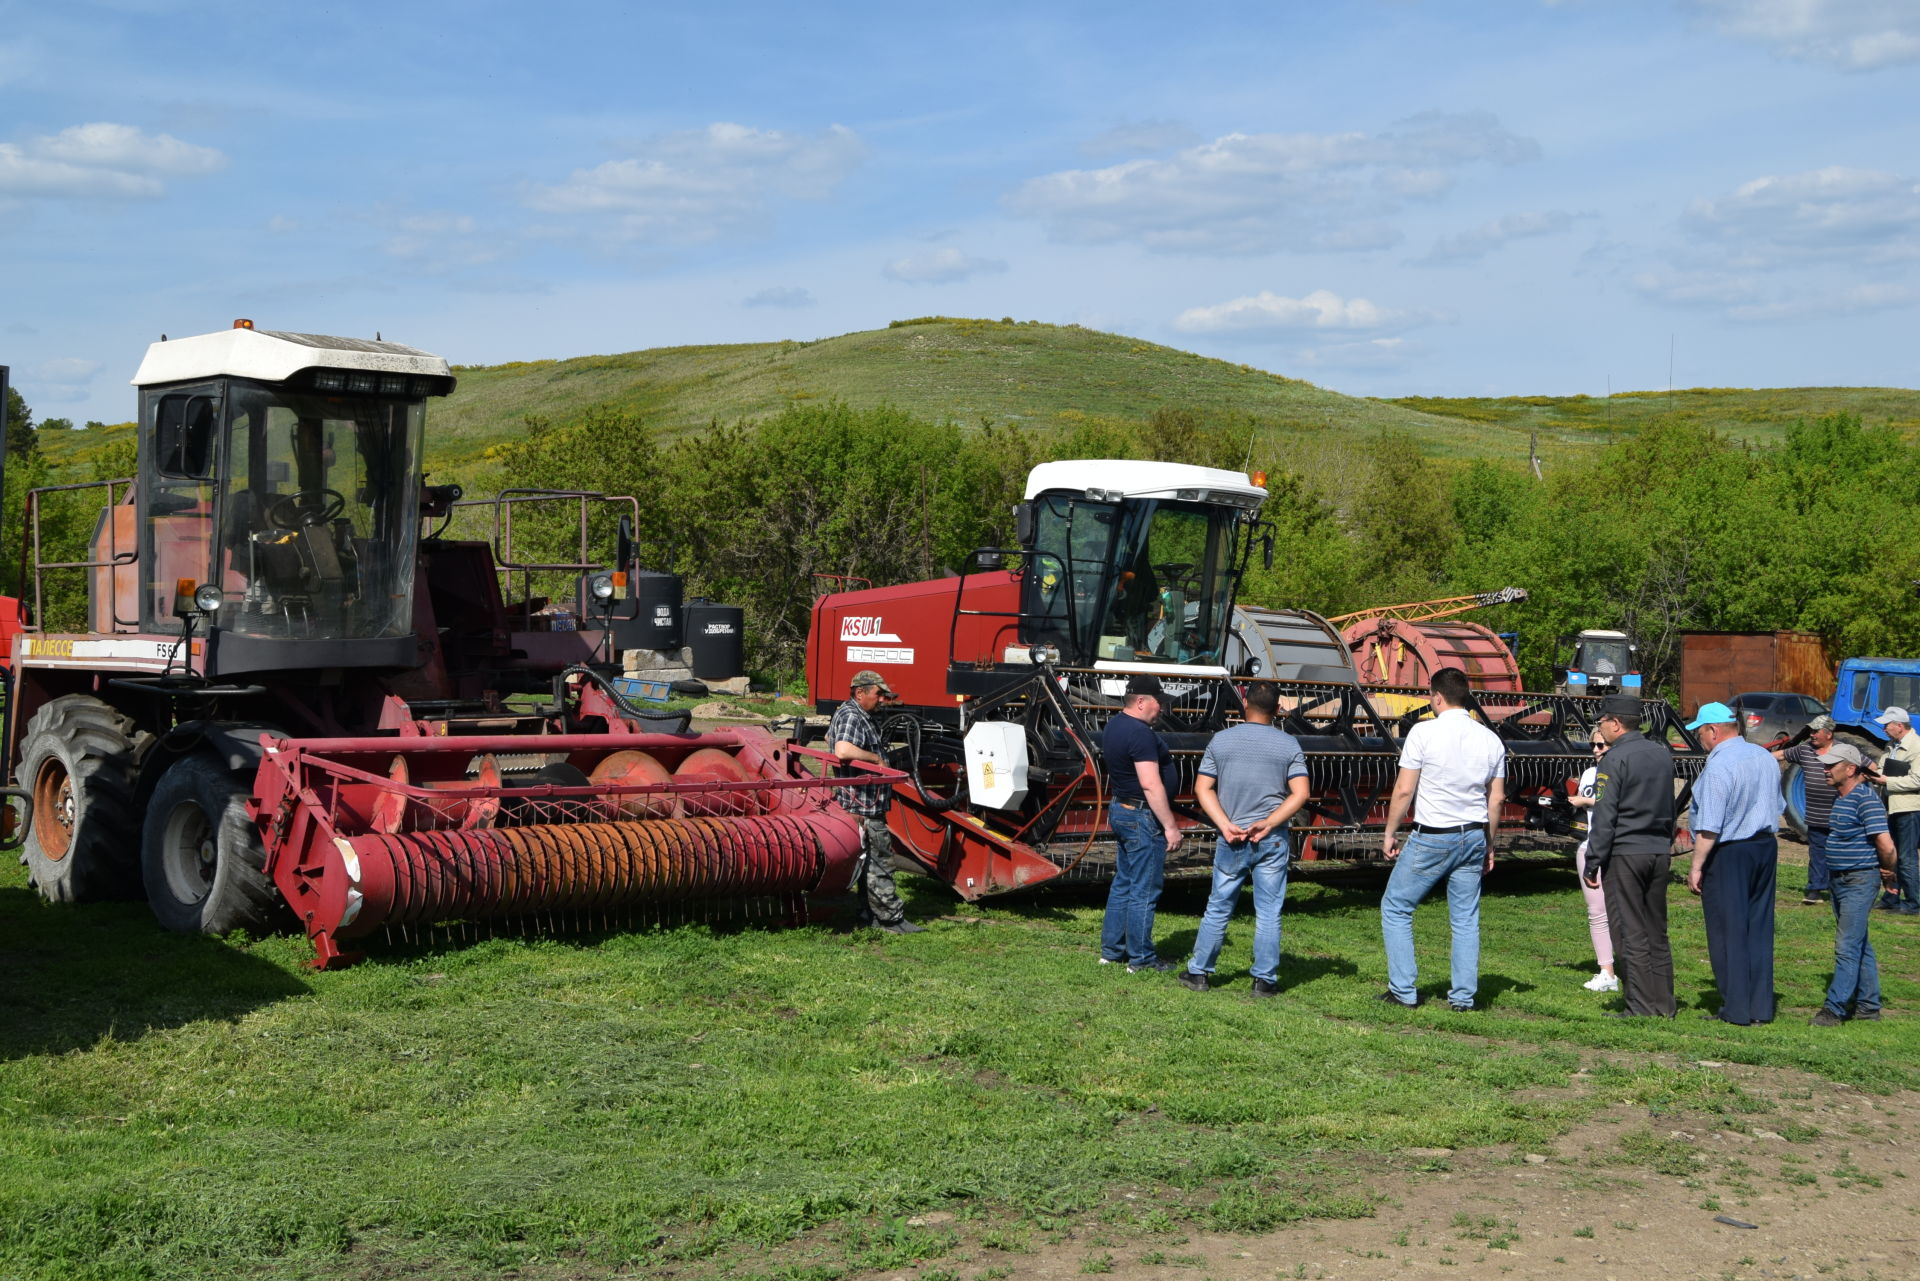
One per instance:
[(1736, 811)]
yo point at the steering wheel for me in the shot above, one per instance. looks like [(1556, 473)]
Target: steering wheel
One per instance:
[(307, 507), (1178, 573)]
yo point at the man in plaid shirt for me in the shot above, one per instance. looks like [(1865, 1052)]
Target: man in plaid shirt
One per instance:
[(853, 737)]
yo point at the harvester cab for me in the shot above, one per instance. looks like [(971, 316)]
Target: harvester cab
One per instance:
[(277, 502), (1133, 565)]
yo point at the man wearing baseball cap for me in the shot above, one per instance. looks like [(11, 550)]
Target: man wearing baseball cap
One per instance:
[(1630, 853), (1736, 811), (853, 737), (1818, 736), (1900, 771), (1142, 781), (1857, 841)]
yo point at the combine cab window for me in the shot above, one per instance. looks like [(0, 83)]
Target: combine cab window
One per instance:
[(177, 541), (320, 518), (1133, 581)]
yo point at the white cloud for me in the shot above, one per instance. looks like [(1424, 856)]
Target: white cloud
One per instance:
[(108, 161), (1253, 193), (111, 146), (1849, 301), (1365, 353), (1861, 214), (439, 243), (1477, 242), (940, 267), (1695, 288), (1266, 312), (281, 225), (703, 184), (64, 380), (1140, 138), (779, 296), (1855, 35)]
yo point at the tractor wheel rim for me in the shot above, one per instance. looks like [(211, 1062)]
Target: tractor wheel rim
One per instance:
[(53, 810), (189, 852)]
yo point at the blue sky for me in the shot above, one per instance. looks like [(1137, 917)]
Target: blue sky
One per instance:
[(1387, 197)]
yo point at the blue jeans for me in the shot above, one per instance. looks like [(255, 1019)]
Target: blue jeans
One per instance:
[(1905, 829), (1818, 881), (1139, 866), (1266, 863), (1424, 860), (1856, 975)]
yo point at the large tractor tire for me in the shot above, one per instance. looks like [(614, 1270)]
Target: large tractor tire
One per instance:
[(79, 759), (200, 855)]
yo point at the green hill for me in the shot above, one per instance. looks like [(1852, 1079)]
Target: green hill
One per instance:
[(939, 368), (1005, 371)]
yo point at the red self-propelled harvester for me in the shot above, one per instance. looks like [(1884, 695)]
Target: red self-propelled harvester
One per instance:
[(1007, 673), (290, 700)]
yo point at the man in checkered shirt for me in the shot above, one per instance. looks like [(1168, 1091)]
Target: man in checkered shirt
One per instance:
[(853, 737)]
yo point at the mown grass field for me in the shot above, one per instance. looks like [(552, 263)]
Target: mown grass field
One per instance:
[(758, 1102)]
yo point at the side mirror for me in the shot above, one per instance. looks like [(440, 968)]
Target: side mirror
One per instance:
[(1266, 552), (1023, 524), (623, 546)]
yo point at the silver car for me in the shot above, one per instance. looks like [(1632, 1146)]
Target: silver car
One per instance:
[(1768, 717)]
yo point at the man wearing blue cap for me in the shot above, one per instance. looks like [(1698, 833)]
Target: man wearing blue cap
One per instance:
[(1736, 811)]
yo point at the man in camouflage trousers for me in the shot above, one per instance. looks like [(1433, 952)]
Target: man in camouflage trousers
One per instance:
[(853, 737)]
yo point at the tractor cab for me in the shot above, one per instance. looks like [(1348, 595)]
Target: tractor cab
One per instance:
[(1133, 564), (278, 496)]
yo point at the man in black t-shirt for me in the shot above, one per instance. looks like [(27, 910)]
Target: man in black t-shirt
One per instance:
[(1141, 780)]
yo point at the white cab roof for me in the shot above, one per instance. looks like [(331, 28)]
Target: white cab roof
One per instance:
[(1130, 478), (273, 356)]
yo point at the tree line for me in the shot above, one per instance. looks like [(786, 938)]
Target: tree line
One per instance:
[(1674, 528)]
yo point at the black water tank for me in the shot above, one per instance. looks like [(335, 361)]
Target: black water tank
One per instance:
[(717, 636), (656, 610)]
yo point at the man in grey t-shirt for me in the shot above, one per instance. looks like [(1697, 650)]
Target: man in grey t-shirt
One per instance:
[(1253, 779)]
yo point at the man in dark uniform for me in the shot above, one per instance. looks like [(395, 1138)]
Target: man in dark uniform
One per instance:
[(1142, 780), (1630, 852), (853, 737)]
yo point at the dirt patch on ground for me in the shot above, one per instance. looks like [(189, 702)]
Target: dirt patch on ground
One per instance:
[(1822, 1179)]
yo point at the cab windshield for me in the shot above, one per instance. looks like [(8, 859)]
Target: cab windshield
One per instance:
[(319, 520), (1607, 657), (1137, 581)]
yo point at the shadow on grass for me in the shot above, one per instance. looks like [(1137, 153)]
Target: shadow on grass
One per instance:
[(77, 974)]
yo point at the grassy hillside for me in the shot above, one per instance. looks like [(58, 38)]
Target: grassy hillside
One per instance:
[(942, 368), (939, 368), (1761, 416)]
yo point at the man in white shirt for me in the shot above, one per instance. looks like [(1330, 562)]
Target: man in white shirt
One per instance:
[(1456, 768)]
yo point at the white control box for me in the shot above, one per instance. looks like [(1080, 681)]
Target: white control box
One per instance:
[(997, 764)]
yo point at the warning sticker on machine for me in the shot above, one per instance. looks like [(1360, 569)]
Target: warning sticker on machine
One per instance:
[(878, 654)]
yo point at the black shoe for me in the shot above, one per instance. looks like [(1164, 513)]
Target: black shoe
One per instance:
[(1906, 909), (1825, 1018), (1265, 987), (1458, 1008), (1391, 999), (1159, 965), (903, 926), (1866, 1016), (1629, 1014), (1194, 982)]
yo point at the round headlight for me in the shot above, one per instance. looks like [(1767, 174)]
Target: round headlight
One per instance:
[(601, 585), (207, 598)]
